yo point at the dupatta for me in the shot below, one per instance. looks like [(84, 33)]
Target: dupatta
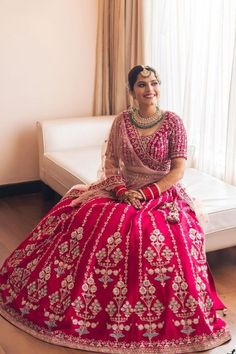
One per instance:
[(120, 164)]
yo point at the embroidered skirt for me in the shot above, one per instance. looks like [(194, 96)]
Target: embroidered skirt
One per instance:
[(109, 278)]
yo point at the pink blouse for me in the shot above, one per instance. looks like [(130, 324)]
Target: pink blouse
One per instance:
[(157, 149)]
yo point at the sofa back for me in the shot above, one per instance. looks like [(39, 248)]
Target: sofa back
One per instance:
[(64, 134), (74, 133)]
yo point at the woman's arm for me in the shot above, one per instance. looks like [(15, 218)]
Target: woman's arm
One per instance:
[(175, 175), (154, 190)]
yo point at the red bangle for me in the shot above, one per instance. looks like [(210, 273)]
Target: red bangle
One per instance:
[(119, 190), (150, 191)]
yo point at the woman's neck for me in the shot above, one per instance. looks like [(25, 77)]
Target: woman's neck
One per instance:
[(147, 111)]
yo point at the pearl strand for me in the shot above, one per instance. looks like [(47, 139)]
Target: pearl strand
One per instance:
[(145, 122)]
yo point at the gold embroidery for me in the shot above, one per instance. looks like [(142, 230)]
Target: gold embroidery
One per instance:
[(69, 250), (149, 310), (204, 301), (197, 248), (108, 258), (183, 305), (18, 279), (86, 307), (119, 311), (60, 300), (160, 258), (38, 289)]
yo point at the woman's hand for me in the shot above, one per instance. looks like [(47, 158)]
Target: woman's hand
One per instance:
[(132, 197)]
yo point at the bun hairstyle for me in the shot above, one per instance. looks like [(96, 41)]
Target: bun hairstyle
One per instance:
[(145, 71)]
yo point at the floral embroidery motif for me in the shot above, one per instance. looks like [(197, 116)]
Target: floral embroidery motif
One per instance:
[(60, 300), (69, 250), (197, 246), (27, 307), (108, 258), (86, 307), (38, 289), (119, 311), (204, 300), (149, 310), (61, 268), (183, 305), (18, 255), (49, 226), (52, 319), (159, 257), (19, 276)]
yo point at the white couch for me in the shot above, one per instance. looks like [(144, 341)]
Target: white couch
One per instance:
[(70, 153)]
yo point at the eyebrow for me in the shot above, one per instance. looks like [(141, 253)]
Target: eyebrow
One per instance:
[(144, 82)]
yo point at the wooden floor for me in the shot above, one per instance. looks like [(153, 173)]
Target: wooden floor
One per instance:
[(19, 214)]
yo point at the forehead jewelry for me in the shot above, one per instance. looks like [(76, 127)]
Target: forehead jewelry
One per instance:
[(145, 72)]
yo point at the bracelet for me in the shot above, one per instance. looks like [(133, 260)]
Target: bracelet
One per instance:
[(119, 190), (150, 191), (158, 188)]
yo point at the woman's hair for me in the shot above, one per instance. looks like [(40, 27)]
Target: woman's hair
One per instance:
[(133, 74)]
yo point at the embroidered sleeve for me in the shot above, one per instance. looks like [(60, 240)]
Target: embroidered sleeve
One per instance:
[(178, 139)]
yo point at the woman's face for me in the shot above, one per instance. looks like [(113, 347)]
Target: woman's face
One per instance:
[(146, 90)]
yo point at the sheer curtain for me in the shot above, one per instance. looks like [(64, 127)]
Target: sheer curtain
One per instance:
[(191, 43), (230, 166), (120, 45)]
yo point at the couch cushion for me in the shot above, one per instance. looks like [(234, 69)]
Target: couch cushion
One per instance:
[(217, 198), (83, 164)]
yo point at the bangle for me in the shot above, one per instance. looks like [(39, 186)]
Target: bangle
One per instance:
[(158, 188), (150, 191), (119, 190)]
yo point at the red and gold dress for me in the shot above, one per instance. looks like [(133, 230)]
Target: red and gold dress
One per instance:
[(106, 277)]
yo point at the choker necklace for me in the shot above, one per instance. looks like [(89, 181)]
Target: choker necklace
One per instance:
[(142, 122)]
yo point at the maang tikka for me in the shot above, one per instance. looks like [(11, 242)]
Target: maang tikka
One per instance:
[(145, 72)]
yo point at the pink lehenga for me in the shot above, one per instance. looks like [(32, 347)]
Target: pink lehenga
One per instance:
[(106, 277)]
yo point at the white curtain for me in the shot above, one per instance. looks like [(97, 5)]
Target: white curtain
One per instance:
[(230, 166), (191, 44)]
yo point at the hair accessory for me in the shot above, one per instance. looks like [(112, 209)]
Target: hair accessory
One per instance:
[(145, 72)]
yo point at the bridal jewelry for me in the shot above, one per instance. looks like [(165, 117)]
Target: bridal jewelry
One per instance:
[(145, 122), (145, 72)]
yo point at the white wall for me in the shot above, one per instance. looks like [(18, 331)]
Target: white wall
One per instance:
[(47, 69)]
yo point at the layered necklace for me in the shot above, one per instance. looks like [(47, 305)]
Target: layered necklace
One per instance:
[(146, 122)]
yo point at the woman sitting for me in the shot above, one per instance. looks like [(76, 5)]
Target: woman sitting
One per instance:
[(119, 266)]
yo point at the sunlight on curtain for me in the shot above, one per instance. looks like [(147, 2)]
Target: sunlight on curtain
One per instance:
[(230, 167), (120, 46), (191, 43)]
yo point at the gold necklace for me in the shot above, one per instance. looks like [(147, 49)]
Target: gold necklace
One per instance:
[(145, 122)]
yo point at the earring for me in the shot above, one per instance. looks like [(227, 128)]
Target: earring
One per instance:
[(133, 102)]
